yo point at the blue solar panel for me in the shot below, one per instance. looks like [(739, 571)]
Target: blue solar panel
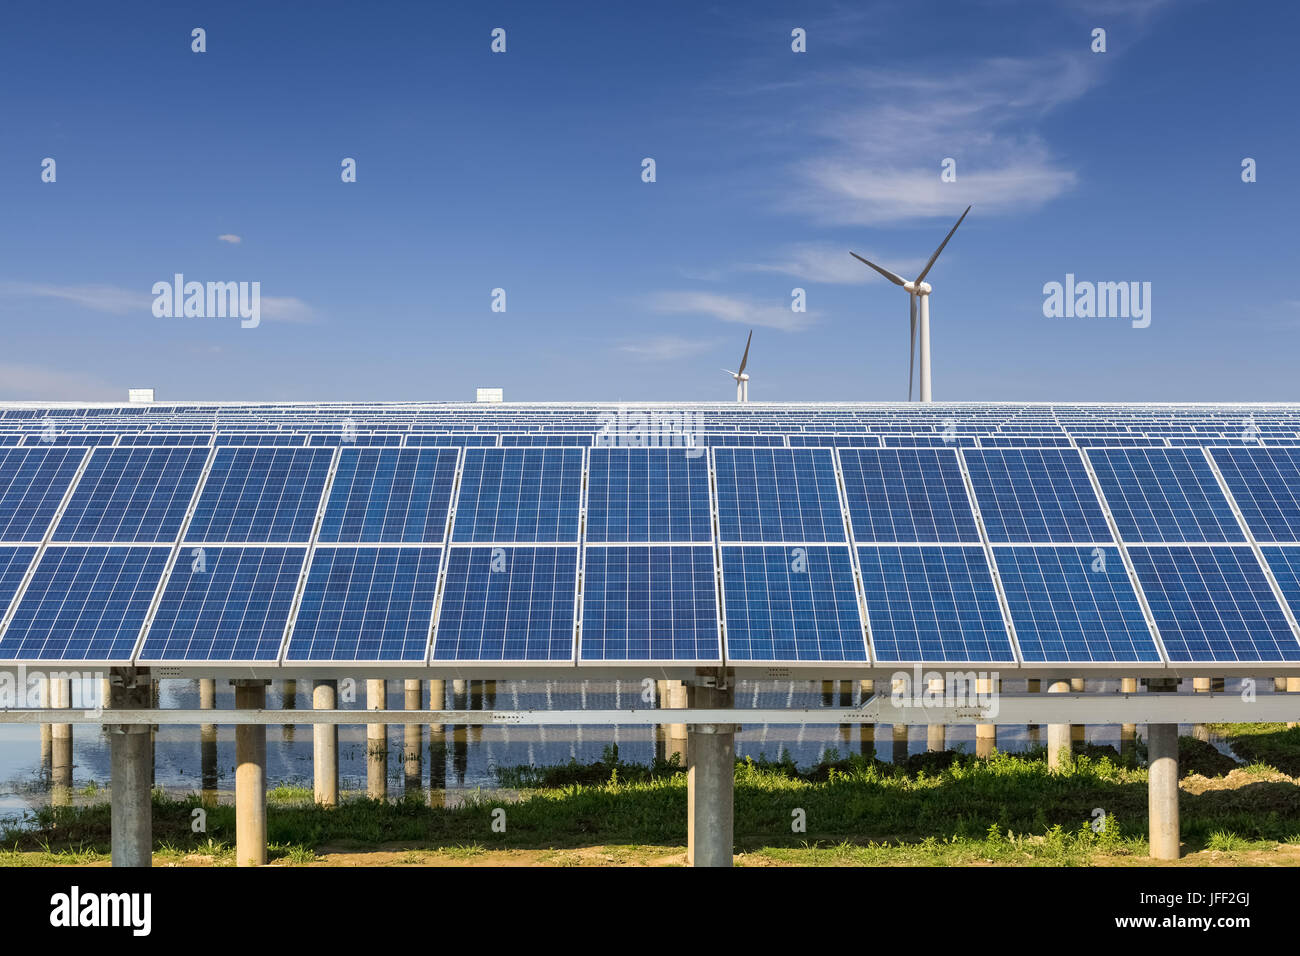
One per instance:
[(777, 494), (390, 495), (649, 604), (929, 441), (84, 604), (1035, 495), (1164, 494), (451, 441), (346, 440), (545, 440), (648, 494), (933, 604), (519, 494), (33, 482), (261, 494), (225, 604), (837, 441), (14, 562), (372, 604), (1074, 604), (1266, 485), (1213, 604), (900, 494), (508, 604), (791, 604), (132, 495), (1285, 565), (165, 438)]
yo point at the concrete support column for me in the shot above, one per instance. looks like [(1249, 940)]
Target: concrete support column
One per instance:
[(677, 739), (1128, 732), (1034, 686), (61, 745), (413, 740), (898, 750), (1293, 687), (325, 745), (1078, 732), (986, 735), (711, 784), (437, 740), (934, 733), (867, 732), (131, 810), (1058, 735), (1162, 787), (1201, 685), (208, 741), (377, 742), (47, 731), (460, 732), (250, 777)]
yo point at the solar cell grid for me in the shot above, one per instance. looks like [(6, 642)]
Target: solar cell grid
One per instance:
[(1164, 494), (907, 495), (1035, 495), (390, 495), (261, 494), (933, 604), (652, 603), (786, 494), (33, 482), (519, 494), (648, 494), (14, 562), (1265, 482), (132, 495)]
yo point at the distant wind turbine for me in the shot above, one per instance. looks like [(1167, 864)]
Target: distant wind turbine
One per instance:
[(742, 380), (918, 288)]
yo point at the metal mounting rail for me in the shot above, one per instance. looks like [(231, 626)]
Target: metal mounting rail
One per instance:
[(1005, 709)]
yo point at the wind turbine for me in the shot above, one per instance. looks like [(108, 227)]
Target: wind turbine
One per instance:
[(918, 288), (742, 380)]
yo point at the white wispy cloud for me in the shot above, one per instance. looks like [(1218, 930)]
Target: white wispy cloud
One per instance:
[(101, 298), (667, 348), (732, 308), (33, 382), (231, 238), (831, 263)]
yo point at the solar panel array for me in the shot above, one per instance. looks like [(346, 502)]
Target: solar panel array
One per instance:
[(586, 535)]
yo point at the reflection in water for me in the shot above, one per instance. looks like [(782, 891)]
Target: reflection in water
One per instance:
[(40, 764)]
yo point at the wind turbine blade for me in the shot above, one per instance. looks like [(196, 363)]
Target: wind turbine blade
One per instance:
[(745, 358), (730, 372), (884, 272), (911, 356), (926, 270)]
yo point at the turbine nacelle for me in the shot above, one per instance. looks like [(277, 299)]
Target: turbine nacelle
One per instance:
[(916, 288)]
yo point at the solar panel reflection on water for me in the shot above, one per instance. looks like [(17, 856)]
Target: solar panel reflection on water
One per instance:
[(1164, 494), (225, 604), (1213, 604), (1266, 485), (366, 604), (654, 603), (777, 494), (933, 604), (390, 495), (791, 604), (1027, 494), (648, 494), (33, 482), (1074, 604), (132, 495), (84, 604), (519, 494), (14, 562), (508, 604), (901, 494), (261, 494)]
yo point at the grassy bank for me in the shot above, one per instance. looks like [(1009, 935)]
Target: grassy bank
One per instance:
[(936, 809)]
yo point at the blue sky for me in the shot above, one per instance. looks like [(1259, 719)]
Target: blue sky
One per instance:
[(522, 171)]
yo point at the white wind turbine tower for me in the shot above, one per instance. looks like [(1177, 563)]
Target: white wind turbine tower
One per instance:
[(742, 380), (918, 288)]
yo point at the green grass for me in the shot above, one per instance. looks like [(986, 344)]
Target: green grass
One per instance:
[(1271, 744), (942, 808)]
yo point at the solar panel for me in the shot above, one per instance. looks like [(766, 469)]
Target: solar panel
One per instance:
[(934, 603), (1285, 565), (1074, 604), (648, 494), (348, 439), (508, 604), (84, 604), (519, 494), (225, 604), (33, 482), (14, 562), (777, 494), (261, 494), (1266, 485), (900, 494), (1029, 495), (791, 604), (1164, 494), (1213, 604), (653, 603), (132, 495), (373, 604), (390, 495)]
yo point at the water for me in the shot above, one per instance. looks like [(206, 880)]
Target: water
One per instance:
[(472, 753)]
